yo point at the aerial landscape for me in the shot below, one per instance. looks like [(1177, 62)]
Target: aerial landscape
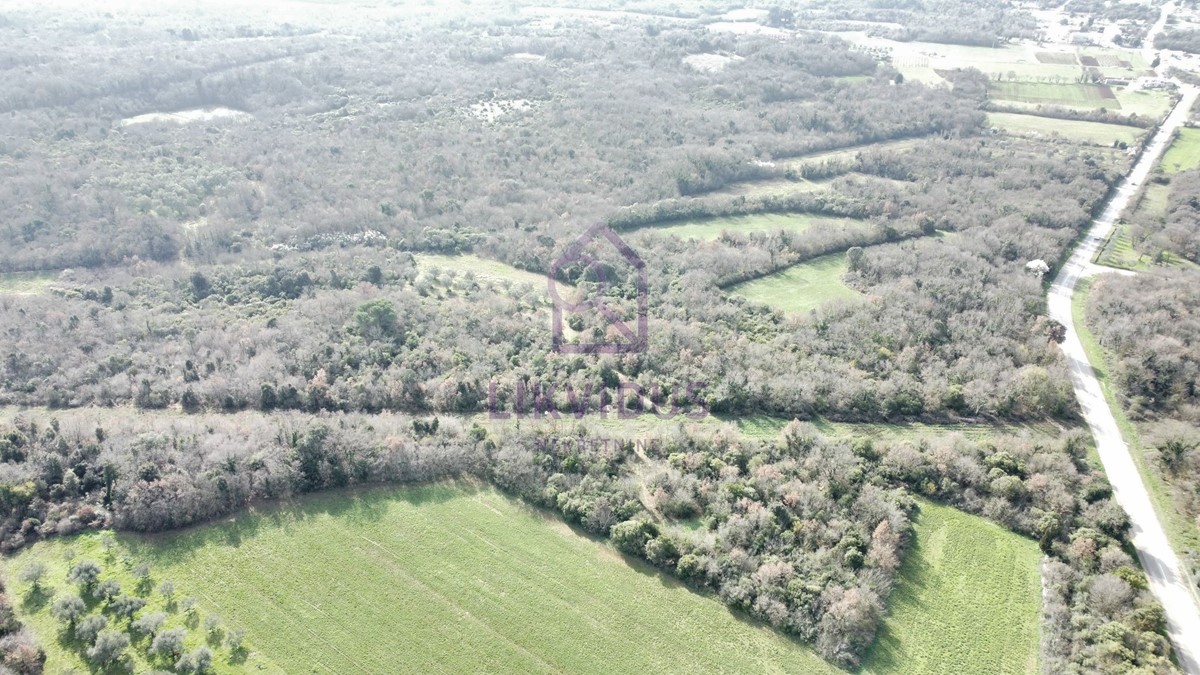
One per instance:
[(600, 336)]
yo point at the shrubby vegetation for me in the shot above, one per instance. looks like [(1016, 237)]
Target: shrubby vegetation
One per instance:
[(1149, 326), (19, 649), (1182, 39), (803, 532), (1174, 231), (263, 275)]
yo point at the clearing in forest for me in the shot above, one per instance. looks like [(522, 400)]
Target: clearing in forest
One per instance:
[(707, 229), (482, 268), (968, 600), (24, 283), (801, 288)]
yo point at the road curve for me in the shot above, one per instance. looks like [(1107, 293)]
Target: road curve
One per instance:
[(1154, 550)]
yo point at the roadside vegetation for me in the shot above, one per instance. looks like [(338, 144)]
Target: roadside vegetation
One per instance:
[(1143, 334)]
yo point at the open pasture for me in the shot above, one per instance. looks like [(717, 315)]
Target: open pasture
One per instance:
[(1093, 133), (801, 288), (968, 600), (1070, 95), (482, 268), (1184, 153)]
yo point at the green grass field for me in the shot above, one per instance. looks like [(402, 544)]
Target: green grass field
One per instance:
[(968, 600), (1095, 133), (24, 283), (801, 288), (1184, 153), (483, 268), (441, 579), (771, 187), (1119, 252), (708, 229), (1070, 95), (65, 655), (847, 155)]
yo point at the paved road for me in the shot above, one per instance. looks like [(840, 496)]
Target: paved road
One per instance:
[(1158, 558), (1148, 50)]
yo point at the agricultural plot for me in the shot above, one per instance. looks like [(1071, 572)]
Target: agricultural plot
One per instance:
[(1184, 153), (1020, 62), (1044, 93), (442, 579), (801, 288), (1095, 133), (968, 600), (65, 653), (708, 229)]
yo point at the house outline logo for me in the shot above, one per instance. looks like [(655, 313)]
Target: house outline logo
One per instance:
[(636, 336)]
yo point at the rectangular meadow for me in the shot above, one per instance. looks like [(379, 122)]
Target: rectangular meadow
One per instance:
[(968, 600), (801, 288), (1095, 133), (1068, 95)]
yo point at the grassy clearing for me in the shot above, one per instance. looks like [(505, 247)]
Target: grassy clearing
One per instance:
[(448, 579), (847, 155), (1119, 252), (968, 600), (482, 268), (24, 283), (801, 288), (65, 655), (771, 187), (1184, 153), (1151, 103), (1070, 95), (1183, 533), (708, 229), (1073, 130)]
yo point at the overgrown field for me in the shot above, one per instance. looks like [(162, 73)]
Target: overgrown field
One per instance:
[(1184, 153), (22, 283), (968, 600), (710, 228), (439, 579), (482, 268), (801, 288), (1072, 130)]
